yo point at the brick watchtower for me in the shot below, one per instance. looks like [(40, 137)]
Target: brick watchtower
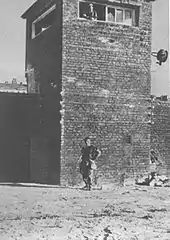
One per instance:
[(103, 54)]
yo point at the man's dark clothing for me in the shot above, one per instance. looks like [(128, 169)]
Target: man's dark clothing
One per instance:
[(88, 153)]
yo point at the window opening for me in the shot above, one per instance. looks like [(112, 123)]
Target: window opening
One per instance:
[(119, 15), (128, 139), (91, 11), (44, 21), (101, 12), (111, 14), (128, 17)]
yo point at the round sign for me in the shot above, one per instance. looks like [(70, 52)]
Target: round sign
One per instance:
[(162, 55)]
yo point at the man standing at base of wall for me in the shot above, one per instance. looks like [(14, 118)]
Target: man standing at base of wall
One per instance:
[(88, 167)]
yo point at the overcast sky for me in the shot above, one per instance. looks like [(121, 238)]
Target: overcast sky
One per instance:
[(12, 42), (160, 39)]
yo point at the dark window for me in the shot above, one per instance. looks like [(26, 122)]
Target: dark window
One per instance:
[(100, 12), (128, 139), (44, 21), (92, 11), (128, 15)]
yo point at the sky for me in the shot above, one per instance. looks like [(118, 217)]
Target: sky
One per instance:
[(12, 42), (160, 39)]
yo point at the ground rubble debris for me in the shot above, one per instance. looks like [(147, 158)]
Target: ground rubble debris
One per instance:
[(154, 177), (154, 180)]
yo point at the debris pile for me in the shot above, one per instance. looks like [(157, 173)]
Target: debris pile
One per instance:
[(154, 180)]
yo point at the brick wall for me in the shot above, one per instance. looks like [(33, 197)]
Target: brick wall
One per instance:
[(160, 133), (105, 86)]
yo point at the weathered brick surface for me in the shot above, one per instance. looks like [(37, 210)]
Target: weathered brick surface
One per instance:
[(105, 86), (160, 133)]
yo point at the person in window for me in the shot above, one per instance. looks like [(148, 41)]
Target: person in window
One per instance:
[(89, 154), (91, 14), (111, 15)]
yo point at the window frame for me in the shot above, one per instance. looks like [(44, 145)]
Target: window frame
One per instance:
[(133, 10), (81, 1), (39, 18)]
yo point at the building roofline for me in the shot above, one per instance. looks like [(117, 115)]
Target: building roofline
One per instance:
[(25, 14), (38, 2), (37, 7)]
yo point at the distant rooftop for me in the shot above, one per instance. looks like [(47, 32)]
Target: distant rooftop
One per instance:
[(13, 87)]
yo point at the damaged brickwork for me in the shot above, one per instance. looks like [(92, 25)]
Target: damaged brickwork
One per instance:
[(105, 86)]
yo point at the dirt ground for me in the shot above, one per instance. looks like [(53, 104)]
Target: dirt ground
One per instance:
[(39, 212)]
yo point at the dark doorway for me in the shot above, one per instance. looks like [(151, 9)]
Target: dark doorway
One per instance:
[(45, 160)]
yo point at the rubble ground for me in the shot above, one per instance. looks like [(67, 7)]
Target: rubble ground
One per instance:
[(39, 212)]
